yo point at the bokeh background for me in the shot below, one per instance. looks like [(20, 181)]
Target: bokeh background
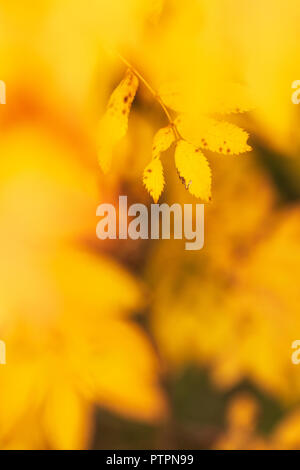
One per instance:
[(141, 344)]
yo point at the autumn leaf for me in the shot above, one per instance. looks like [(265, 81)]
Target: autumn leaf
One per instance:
[(193, 168), (217, 136), (154, 179), (163, 140), (233, 98), (114, 124), (206, 97)]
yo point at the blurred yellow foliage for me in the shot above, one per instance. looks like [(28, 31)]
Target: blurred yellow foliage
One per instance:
[(67, 328), (207, 70), (224, 307), (242, 434)]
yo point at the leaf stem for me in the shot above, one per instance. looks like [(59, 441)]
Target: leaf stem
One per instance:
[(153, 92)]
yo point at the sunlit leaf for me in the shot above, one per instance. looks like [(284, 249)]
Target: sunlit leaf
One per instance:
[(163, 139), (193, 169), (206, 97), (153, 179), (217, 136), (114, 124)]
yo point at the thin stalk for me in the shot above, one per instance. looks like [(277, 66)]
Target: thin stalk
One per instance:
[(153, 92)]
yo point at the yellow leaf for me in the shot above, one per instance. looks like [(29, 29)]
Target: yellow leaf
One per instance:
[(217, 136), (114, 124), (194, 170), (206, 96), (174, 96), (163, 139), (233, 98), (153, 179)]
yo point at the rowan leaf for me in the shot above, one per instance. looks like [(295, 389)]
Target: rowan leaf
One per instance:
[(217, 136), (232, 98), (153, 179), (174, 96), (193, 169), (206, 97), (114, 124), (163, 140)]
